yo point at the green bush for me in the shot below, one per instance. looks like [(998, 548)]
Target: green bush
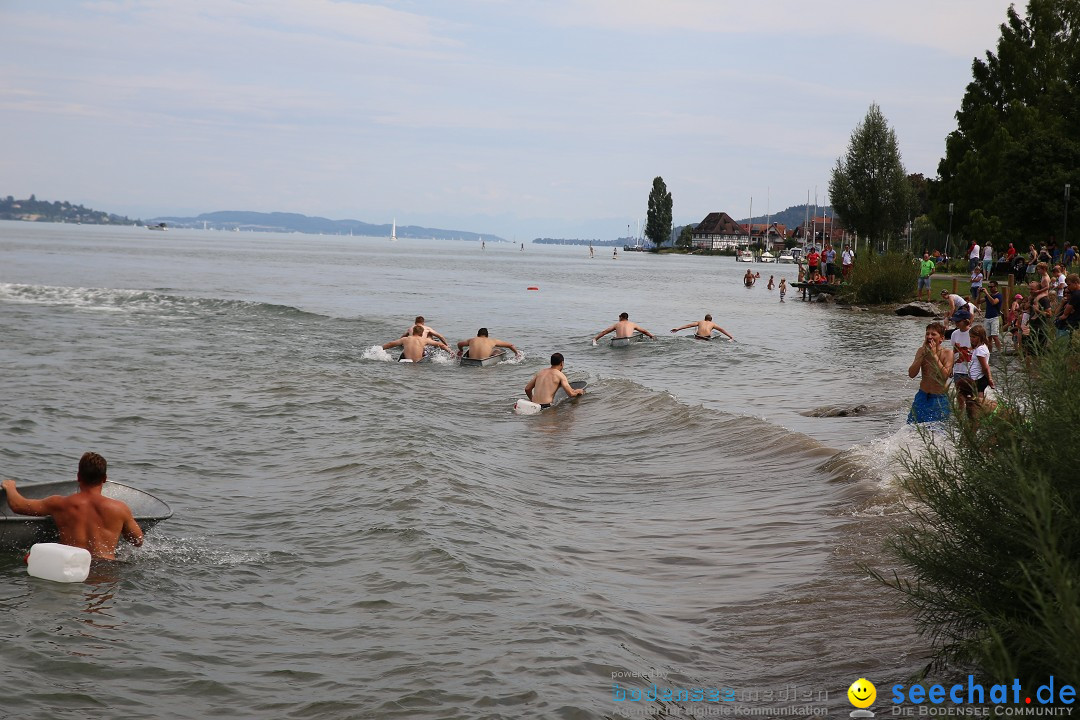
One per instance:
[(992, 556), (881, 278)]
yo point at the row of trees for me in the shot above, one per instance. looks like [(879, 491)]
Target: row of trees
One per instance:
[(1006, 166)]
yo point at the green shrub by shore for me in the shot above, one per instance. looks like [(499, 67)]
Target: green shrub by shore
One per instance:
[(877, 279), (992, 556)]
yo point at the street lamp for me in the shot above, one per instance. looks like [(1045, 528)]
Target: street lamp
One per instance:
[(1065, 228), (948, 238)]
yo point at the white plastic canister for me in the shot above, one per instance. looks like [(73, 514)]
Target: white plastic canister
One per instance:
[(526, 407), (60, 563)]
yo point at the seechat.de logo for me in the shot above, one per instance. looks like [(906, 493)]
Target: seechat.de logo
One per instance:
[(862, 695)]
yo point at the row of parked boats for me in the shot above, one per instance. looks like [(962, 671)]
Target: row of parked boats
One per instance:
[(790, 256)]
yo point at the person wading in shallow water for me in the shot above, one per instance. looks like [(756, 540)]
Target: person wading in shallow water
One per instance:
[(704, 329), (85, 519), (935, 364), (623, 329), (544, 384), (412, 347)]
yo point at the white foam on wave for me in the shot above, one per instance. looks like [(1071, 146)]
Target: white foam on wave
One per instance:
[(515, 359), (375, 352), (77, 297), (441, 357), (877, 467)]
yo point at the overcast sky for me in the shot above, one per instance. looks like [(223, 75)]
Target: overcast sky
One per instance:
[(521, 118)]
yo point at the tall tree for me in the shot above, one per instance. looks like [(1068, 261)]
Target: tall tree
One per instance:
[(869, 187), (658, 221), (1017, 141)]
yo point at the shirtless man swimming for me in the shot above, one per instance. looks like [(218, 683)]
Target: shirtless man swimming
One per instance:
[(544, 384), (704, 329), (482, 347), (86, 518), (624, 329), (428, 331), (412, 346)]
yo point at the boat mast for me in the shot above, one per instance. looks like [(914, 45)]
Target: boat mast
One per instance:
[(768, 217), (750, 225)]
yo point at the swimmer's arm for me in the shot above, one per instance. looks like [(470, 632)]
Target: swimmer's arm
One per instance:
[(394, 343), (462, 345), (436, 343), (683, 327), (132, 531), (643, 331), (503, 343), (28, 506), (565, 384), (529, 387), (729, 336), (605, 332)]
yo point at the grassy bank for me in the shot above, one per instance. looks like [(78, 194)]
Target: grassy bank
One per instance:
[(992, 554)]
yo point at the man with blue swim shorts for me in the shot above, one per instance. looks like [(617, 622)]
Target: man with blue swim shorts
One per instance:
[(935, 364)]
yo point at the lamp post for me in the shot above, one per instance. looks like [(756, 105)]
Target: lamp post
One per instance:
[(1065, 227), (948, 238)]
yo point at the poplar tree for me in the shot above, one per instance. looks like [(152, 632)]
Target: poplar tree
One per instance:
[(658, 221), (869, 188)]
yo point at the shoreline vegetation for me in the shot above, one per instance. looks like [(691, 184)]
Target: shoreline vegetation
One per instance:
[(991, 553)]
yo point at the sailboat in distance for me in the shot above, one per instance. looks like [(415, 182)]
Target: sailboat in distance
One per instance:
[(393, 231)]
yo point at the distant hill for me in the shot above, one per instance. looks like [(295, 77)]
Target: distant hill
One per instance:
[(792, 217), (295, 222), (35, 210)]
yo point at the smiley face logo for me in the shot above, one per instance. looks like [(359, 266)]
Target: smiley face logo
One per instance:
[(862, 693)]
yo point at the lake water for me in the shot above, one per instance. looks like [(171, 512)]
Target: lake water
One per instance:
[(358, 538)]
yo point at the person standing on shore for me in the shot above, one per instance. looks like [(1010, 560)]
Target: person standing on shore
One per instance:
[(1059, 284), (848, 259), (812, 261), (927, 267), (1068, 319), (992, 317), (961, 340), (976, 284), (974, 256), (934, 363), (829, 258), (988, 260), (979, 370)]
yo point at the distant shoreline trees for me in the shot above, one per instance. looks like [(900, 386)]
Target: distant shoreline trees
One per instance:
[(34, 210)]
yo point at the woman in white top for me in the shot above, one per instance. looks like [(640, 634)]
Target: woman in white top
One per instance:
[(979, 369)]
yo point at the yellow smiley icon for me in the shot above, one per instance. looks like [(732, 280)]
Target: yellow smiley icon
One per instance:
[(862, 693)]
